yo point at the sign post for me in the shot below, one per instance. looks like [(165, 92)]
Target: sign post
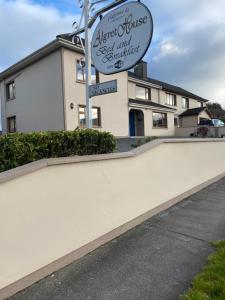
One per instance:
[(87, 7), (87, 65), (119, 42)]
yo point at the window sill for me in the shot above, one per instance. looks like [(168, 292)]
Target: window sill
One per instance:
[(171, 105), (80, 81), (84, 81), (159, 127), (143, 99), (84, 127), (8, 100)]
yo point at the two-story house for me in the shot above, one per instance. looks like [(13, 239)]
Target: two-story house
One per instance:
[(46, 91), (187, 108)]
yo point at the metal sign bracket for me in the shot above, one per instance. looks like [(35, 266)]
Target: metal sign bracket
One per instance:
[(88, 21)]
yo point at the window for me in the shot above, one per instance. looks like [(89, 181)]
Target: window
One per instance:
[(96, 116), (171, 99), (176, 122), (82, 118), (159, 120), (81, 72), (11, 124), (10, 91), (143, 93), (185, 103), (200, 104)]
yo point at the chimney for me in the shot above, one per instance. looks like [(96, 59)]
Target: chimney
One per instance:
[(141, 69)]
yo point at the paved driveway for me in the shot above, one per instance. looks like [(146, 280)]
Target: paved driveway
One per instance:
[(153, 261)]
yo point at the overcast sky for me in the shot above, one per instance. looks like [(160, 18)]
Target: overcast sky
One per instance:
[(188, 47)]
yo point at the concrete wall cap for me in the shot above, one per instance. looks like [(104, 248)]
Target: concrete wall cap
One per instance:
[(35, 166), (23, 170)]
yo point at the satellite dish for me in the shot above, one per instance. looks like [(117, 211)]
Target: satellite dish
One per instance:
[(75, 40)]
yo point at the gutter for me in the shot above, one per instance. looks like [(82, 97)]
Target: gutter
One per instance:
[(151, 107)]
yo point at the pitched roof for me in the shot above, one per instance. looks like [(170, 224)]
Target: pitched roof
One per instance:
[(169, 87), (150, 104), (68, 37), (194, 111)]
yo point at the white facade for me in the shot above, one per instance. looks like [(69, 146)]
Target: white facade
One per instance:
[(49, 95)]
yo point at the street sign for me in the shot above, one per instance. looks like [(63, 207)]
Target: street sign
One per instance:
[(103, 88), (122, 38)]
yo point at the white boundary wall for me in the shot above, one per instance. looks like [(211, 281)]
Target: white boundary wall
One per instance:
[(55, 211), (213, 132)]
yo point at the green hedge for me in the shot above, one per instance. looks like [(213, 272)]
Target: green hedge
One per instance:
[(17, 149)]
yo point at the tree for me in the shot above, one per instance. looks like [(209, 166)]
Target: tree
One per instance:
[(216, 110)]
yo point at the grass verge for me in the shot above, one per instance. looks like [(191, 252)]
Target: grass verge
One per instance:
[(210, 283)]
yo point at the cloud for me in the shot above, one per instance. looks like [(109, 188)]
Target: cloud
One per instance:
[(170, 49), (189, 45), (27, 26)]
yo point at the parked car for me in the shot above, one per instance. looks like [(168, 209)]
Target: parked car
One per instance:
[(217, 123), (205, 122), (213, 122)]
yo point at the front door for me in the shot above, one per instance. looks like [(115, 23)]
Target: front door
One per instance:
[(136, 119), (132, 123)]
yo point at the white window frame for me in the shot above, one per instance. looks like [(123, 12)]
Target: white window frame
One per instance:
[(171, 99), (186, 106)]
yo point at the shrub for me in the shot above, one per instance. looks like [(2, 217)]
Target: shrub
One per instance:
[(17, 149)]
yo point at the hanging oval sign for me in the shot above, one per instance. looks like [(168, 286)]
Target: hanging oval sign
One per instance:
[(122, 38)]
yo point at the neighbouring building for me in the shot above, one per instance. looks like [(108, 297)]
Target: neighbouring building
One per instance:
[(46, 91), (192, 117)]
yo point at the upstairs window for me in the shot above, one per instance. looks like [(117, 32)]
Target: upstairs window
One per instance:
[(81, 72), (96, 116), (11, 124), (10, 91), (159, 120), (143, 93), (185, 103), (171, 99)]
